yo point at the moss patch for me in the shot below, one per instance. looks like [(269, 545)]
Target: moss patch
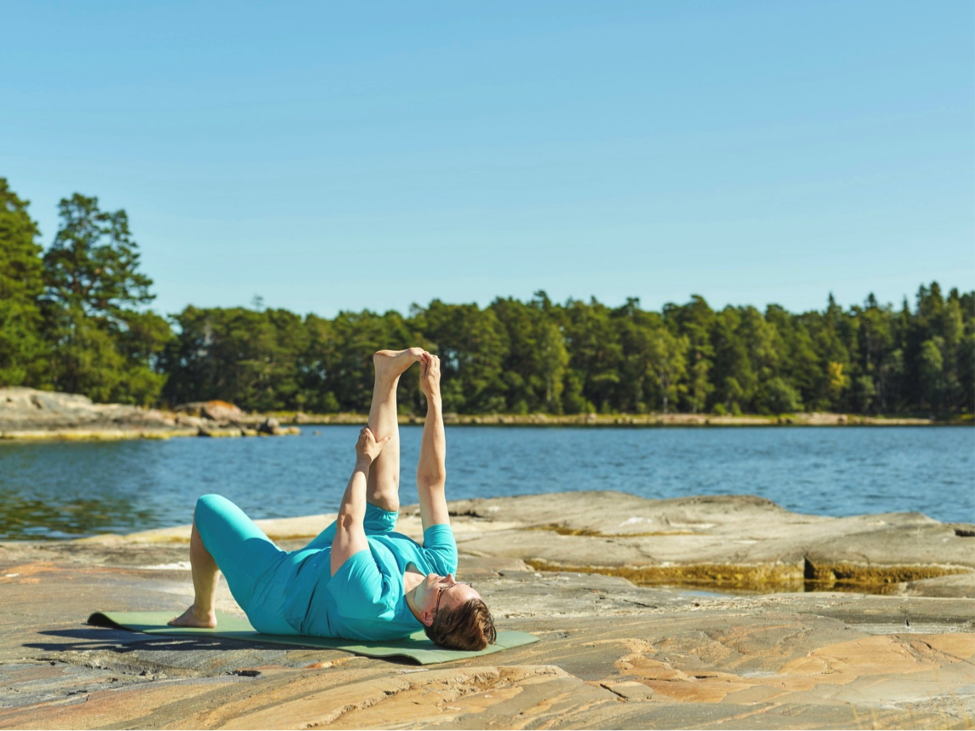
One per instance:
[(754, 576), (853, 574), (801, 576)]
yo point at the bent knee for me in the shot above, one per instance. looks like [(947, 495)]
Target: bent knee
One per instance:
[(209, 504), (389, 503)]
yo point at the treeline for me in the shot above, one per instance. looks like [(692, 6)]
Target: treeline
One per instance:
[(73, 318)]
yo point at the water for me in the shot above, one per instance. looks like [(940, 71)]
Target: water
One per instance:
[(52, 490)]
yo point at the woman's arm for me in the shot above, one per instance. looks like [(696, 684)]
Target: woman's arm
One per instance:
[(431, 472), (350, 537)]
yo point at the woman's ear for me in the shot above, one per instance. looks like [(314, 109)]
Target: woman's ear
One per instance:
[(429, 611)]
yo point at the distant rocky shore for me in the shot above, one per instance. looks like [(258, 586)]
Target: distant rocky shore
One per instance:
[(639, 420), (26, 413)]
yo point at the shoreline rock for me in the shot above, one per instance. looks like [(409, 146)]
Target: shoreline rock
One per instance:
[(612, 654), (736, 543), (29, 414), (652, 420)]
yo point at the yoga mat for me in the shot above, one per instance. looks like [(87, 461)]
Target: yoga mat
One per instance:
[(416, 647)]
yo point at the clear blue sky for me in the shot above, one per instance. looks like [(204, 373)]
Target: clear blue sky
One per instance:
[(353, 155)]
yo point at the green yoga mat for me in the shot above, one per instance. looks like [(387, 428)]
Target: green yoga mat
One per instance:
[(416, 647)]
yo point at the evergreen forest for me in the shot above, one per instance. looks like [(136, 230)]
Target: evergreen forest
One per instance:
[(77, 317)]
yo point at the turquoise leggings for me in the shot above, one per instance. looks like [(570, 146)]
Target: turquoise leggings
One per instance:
[(257, 571)]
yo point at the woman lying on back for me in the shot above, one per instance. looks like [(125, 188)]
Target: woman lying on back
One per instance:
[(358, 579)]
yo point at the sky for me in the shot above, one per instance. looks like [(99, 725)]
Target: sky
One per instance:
[(349, 156)]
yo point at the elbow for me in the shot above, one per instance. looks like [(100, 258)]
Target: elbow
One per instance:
[(345, 521)]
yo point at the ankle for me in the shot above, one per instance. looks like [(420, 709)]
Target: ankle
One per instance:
[(385, 381), (201, 613)]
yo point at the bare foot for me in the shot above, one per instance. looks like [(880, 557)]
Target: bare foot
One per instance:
[(393, 363), (190, 618), (430, 375)]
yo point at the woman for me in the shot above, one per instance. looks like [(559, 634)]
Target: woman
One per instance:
[(358, 579)]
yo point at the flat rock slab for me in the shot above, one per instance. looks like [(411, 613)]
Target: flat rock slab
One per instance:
[(724, 540), (611, 655)]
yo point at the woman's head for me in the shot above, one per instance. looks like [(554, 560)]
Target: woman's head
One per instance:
[(468, 627), (459, 619)]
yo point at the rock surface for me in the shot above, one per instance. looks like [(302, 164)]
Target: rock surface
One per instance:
[(725, 540), (220, 411), (26, 409), (26, 413), (612, 654)]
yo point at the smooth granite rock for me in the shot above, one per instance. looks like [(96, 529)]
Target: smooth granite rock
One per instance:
[(725, 540), (27, 409), (26, 413), (612, 654)]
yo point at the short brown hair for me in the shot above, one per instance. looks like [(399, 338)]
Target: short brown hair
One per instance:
[(468, 627)]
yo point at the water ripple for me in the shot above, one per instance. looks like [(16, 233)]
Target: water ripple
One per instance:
[(56, 490)]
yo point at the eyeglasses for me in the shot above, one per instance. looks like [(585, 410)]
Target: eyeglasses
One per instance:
[(444, 588)]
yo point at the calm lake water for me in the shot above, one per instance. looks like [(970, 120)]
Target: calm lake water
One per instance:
[(59, 490)]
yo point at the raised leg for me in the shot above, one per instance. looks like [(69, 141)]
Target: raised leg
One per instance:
[(431, 470), (201, 613), (382, 486)]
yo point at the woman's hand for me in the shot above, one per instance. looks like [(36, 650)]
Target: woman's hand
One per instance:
[(368, 447)]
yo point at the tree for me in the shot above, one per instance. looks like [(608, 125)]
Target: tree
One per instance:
[(596, 354), (552, 360), (668, 364), (695, 321), (952, 330), (838, 380), (524, 387), (21, 283), (763, 348), (101, 346), (634, 331), (315, 365), (966, 372), (864, 392), (93, 263), (781, 398), (931, 364), (142, 344), (875, 362), (734, 376), (85, 358), (834, 356)]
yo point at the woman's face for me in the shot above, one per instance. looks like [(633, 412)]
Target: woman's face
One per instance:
[(445, 592)]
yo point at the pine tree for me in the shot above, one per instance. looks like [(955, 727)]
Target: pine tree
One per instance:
[(102, 346), (21, 283)]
